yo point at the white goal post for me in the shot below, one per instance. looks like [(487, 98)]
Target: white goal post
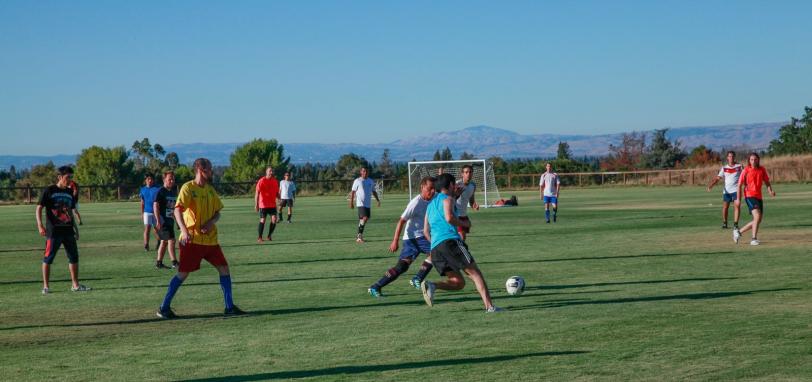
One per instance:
[(487, 194)]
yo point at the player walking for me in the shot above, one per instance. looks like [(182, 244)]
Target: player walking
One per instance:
[(165, 220), (60, 229), (197, 210), (287, 192), (468, 188), (448, 252), (147, 194), (753, 177), (549, 186), (731, 173), (414, 242), (363, 189), (265, 195)]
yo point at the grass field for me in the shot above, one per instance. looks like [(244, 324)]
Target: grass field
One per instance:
[(636, 283)]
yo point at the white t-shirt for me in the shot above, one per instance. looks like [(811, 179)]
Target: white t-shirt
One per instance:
[(414, 214), (465, 197), (363, 192), (286, 189), (731, 175), (549, 180)]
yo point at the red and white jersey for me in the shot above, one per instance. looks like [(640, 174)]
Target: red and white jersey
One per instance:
[(731, 175)]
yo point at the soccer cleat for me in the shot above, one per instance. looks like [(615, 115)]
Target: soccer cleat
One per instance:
[(80, 288), (259, 240), (375, 292), (234, 311), (724, 225), (415, 282), (45, 291), (494, 309), (166, 314), (146, 247), (428, 289), (359, 238), (269, 238), (736, 235), (755, 242), (160, 265), (548, 222), (174, 264)]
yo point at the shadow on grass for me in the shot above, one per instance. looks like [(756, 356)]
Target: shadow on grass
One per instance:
[(275, 243), (605, 257), (188, 284), (543, 287), (688, 296), (53, 281), (352, 370), (394, 257), (139, 321)]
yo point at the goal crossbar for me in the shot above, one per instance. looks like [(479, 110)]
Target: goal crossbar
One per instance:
[(483, 176)]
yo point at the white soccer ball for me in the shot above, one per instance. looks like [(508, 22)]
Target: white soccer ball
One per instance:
[(515, 285)]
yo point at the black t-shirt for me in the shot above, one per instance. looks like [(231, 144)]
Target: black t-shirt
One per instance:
[(166, 205), (58, 203)]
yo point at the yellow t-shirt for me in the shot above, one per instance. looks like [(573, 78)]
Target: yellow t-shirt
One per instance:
[(198, 205)]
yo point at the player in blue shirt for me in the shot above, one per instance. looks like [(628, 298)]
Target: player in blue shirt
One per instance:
[(148, 193), (448, 252)]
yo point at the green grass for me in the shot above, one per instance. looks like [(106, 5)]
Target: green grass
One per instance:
[(636, 283)]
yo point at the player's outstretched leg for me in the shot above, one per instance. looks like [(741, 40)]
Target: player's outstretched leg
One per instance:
[(165, 310), (476, 276), (391, 275)]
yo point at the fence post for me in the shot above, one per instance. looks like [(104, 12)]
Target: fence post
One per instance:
[(579, 180), (624, 178), (693, 183), (646, 179), (28, 193), (508, 180), (669, 177), (118, 191), (601, 179)]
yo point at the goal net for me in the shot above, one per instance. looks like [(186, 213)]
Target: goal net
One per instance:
[(486, 191)]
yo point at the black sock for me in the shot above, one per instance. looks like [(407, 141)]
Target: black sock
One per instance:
[(360, 228), (289, 215), (260, 229), (392, 274), (425, 268), (271, 228)]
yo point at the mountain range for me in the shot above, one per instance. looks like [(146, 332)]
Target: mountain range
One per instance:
[(481, 141)]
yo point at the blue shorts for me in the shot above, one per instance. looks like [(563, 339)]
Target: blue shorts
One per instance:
[(414, 247), (551, 199), (56, 240), (729, 198), (754, 204)]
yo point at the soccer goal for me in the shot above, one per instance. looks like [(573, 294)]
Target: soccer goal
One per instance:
[(487, 194)]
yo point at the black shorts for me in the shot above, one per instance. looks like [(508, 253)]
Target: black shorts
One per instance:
[(364, 212), (755, 204), (286, 203), (56, 240), (451, 255), (263, 212), (167, 231)]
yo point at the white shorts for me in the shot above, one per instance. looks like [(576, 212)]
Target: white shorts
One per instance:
[(149, 219)]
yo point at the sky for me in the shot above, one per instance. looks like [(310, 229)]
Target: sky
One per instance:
[(80, 73)]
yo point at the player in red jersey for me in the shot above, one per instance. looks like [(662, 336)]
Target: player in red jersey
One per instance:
[(753, 177), (265, 196)]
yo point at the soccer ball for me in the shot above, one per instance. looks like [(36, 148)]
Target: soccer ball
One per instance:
[(515, 285)]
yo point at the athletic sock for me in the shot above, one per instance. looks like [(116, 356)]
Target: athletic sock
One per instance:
[(547, 214), (174, 285), (392, 274), (225, 285), (361, 227), (260, 229), (289, 215), (271, 229), (555, 212), (425, 268)]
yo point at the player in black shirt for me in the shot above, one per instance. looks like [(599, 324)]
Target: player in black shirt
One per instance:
[(60, 228), (165, 220)]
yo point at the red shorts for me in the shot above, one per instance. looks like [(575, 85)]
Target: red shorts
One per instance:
[(466, 229), (192, 254)]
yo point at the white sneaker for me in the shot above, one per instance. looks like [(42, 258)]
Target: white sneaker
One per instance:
[(428, 289), (736, 235), (45, 291), (494, 309), (80, 288), (755, 242)]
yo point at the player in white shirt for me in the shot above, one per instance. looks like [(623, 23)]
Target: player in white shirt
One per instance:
[(414, 241), (731, 173), (363, 189), (468, 188), (287, 193), (549, 186)]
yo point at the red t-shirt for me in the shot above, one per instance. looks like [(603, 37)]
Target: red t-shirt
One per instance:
[(268, 190), (753, 178)]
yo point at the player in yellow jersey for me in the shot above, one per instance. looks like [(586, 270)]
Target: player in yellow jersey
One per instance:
[(197, 210)]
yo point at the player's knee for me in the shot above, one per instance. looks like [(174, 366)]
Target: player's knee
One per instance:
[(262, 220), (456, 282)]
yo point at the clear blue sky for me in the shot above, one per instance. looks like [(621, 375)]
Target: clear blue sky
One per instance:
[(77, 73)]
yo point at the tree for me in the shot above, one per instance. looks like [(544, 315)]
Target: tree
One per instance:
[(437, 156), (794, 137), (384, 168), (626, 156), (148, 158), (446, 154), (466, 156), (663, 153), (248, 162), (564, 151), (172, 161), (99, 165), (702, 156), (349, 166)]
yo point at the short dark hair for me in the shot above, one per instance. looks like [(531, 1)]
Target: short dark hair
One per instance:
[(64, 170), (427, 179), (147, 176), (168, 172), (731, 152), (444, 182), (201, 162), (468, 166)]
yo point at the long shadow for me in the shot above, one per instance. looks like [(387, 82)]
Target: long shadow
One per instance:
[(139, 321), (689, 296), (276, 243), (352, 369), (243, 282), (53, 281), (543, 287), (605, 257), (394, 257)]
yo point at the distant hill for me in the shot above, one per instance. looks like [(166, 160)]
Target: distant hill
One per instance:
[(482, 141)]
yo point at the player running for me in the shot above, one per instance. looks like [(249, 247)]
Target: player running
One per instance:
[(414, 242), (164, 208), (197, 210), (549, 186), (466, 197), (448, 252), (753, 177), (147, 195), (731, 173), (287, 193), (60, 229), (265, 195), (363, 189)]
